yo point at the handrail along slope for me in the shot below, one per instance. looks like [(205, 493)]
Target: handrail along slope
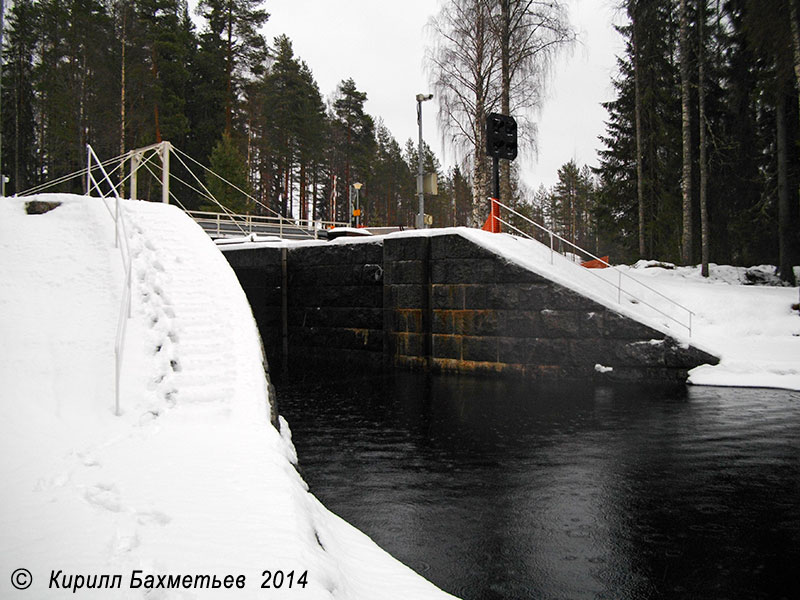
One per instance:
[(618, 286)]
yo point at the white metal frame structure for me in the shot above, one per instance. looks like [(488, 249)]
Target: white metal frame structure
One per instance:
[(159, 156)]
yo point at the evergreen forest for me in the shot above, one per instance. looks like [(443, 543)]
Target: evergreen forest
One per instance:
[(699, 162)]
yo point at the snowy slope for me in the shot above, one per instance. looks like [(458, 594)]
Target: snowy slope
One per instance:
[(191, 478)]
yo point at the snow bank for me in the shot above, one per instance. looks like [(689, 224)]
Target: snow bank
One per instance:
[(191, 478), (752, 328)]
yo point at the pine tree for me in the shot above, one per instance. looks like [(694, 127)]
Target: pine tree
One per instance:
[(228, 163), (573, 201), (205, 105), (462, 197), (643, 141), (310, 138), (620, 209), (19, 127), (769, 27), (686, 137), (232, 31), (282, 96), (390, 184), (76, 60), (164, 49), (353, 140), (702, 138)]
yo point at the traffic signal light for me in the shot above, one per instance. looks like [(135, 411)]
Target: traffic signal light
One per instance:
[(501, 136)]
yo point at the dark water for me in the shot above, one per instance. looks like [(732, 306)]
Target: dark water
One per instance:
[(509, 490)]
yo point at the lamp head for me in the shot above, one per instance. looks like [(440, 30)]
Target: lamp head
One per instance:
[(424, 97)]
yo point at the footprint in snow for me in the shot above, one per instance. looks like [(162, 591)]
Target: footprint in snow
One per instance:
[(124, 541), (149, 416), (88, 459), (104, 496), (58, 481), (152, 517)]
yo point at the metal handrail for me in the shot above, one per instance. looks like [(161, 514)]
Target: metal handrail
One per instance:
[(617, 286), (147, 154), (120, 232), (249, 221), (282, 218), (62, 179)]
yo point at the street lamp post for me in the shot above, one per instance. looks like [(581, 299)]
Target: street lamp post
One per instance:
[(350, 206), (420, 194)]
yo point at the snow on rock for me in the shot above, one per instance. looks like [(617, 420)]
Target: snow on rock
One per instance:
[(191, 478)]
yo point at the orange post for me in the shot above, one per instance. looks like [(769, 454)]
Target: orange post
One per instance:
[(493, 222)]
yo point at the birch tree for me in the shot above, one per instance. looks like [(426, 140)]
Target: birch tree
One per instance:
[(529, 33), (464, 74)]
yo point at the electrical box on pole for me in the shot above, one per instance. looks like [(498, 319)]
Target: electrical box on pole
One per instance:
[(430, 184)]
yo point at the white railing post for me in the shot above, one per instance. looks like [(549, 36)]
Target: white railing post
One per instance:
[(134, 175), (117, 369), (116, 224), (165, 147), (88, 170)]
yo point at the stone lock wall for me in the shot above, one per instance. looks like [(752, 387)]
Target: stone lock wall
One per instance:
[(335, 308), (441, 303), (455, 306), (324, 302)]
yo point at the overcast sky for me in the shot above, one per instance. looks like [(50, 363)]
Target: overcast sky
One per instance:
[(380, 44)]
